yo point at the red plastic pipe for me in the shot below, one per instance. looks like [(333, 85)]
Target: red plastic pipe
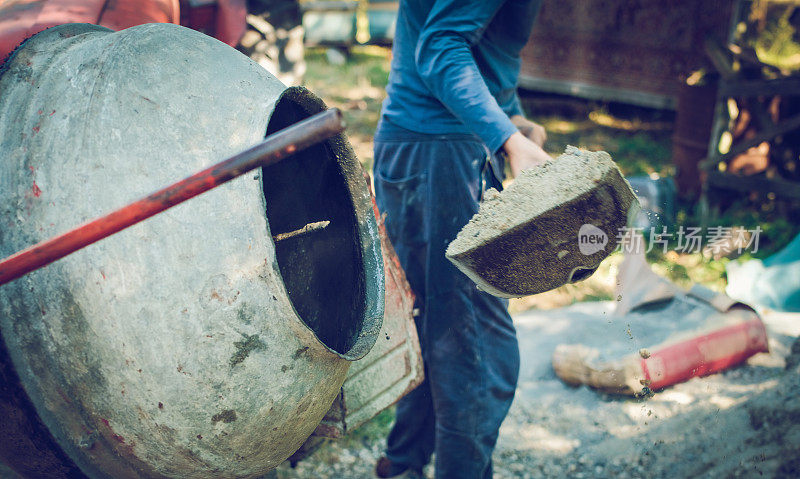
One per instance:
[(705, 354), (274, 148)]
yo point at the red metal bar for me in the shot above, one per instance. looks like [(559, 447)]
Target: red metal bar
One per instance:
[(274, 148)]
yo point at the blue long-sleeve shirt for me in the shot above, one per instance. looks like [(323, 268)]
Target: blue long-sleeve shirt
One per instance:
[(455, 66)]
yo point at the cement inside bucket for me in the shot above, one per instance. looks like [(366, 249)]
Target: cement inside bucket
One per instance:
[(322, 271)]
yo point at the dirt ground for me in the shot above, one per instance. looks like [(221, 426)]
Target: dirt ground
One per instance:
[(744, 422)]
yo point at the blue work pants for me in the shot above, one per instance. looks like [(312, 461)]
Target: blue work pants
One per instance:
[(429, 187)]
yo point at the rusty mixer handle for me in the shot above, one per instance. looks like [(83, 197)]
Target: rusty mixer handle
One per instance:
[(274, 148)]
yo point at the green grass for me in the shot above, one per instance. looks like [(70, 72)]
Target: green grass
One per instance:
[(363, 63), (636, 152), (357, 88), (376, 428), (777, 44)]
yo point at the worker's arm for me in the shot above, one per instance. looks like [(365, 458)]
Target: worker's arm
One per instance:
[(445, 63), (531, 130)]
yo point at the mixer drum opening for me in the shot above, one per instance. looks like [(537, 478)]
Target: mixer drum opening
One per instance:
[(322, 270)]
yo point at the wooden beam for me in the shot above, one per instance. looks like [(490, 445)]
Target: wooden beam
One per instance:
[(760, 183), (768, 134), (778, 86)]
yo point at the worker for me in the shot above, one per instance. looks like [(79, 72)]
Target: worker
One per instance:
[(451, 114)]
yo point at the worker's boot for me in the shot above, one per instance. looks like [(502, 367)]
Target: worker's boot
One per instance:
[(386, 468)]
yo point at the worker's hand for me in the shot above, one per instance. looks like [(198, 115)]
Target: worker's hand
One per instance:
[(532, 131), (523, 154)]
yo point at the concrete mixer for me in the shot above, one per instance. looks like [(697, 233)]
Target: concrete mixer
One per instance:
[(192, 344)]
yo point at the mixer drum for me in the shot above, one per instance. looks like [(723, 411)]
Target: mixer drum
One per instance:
[(192, 344)]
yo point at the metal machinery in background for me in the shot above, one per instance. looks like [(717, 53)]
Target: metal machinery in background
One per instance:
[(21, 19), (631, 51), (754, 141), (736, 129), (350, 22)]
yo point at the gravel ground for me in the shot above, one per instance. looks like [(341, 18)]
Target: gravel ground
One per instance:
[(744, 422)]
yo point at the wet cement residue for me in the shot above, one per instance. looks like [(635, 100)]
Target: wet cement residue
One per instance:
[(244, 316), (533, 193), (527, 238), (227, 416), (244, 347), (299, 352)]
